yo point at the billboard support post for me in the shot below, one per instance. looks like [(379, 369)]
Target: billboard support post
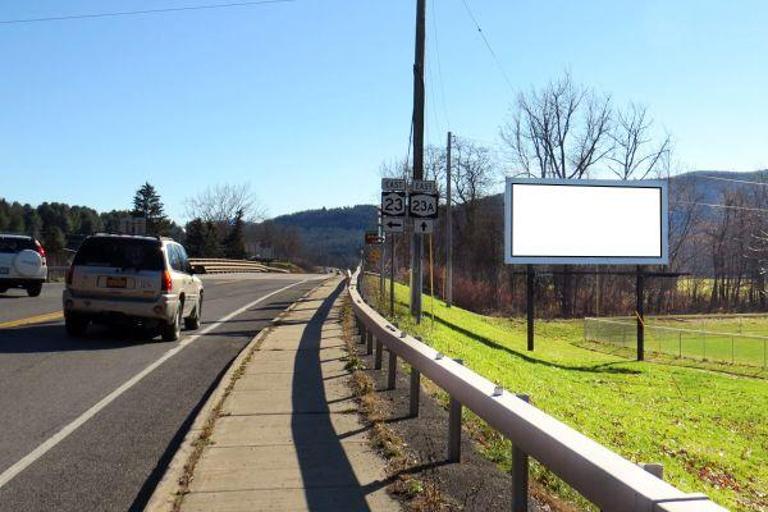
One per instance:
[(640, 313), (529, 293)]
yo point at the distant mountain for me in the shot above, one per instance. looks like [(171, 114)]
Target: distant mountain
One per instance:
[(331, 236)]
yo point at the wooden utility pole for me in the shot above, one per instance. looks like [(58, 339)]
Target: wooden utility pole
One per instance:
[(417, 248), (448, 227)]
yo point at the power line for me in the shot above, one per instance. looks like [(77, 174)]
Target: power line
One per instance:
[(147, 11), (733, 180), (724, 206), (440, 67), (488, 45)]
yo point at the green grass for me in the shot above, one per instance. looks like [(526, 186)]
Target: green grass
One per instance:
[(709, 429)]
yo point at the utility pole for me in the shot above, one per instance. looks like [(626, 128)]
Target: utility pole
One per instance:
[(417, 248), (448, 227)]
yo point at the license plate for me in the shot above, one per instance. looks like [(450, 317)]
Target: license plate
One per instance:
[(5, 270), (116, 282)]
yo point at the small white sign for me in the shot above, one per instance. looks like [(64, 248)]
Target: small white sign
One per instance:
[(393, 184), (423, 205), (393, 204), (425, 186), (423, 226), (393, 224)]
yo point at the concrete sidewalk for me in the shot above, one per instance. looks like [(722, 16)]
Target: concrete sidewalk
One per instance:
[(289, 437)]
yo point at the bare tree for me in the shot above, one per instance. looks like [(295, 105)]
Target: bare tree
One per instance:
[(561, 131), (634, 155), (220, 204), (474, 171)]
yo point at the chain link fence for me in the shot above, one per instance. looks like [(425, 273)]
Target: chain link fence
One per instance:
[(697, 345)]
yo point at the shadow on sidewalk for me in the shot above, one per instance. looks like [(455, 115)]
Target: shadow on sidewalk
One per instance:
[(318, 460)]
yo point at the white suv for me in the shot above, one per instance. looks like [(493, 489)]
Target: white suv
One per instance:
[(22, 264), (148, 280)]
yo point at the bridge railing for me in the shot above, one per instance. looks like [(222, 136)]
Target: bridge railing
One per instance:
[(602, 476), (228, 266)]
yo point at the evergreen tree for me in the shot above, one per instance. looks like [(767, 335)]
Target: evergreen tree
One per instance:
[(211, 248), (195, 238), (147, 204), (234, 243)]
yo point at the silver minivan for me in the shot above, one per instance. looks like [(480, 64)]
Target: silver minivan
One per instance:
[(146, 280)]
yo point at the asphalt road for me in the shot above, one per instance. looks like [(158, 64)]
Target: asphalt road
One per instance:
[(84, 425)]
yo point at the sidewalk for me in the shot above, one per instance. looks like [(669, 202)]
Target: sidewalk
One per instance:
[(288, 437)]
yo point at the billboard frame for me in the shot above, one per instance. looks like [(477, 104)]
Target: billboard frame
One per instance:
[(661, 185)]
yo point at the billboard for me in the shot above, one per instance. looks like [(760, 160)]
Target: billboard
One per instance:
[(608, 222)]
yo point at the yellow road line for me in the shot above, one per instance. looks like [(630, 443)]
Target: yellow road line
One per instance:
[(39, 319)]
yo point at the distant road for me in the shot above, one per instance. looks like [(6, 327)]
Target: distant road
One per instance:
[(90, 424)]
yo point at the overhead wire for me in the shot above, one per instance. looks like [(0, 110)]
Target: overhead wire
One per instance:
[(733, 180), (724, 206), (488, 45), (144, 11)]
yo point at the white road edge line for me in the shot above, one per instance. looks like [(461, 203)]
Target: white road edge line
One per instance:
[(62, 434)]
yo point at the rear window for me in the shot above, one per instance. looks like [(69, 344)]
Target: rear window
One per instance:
[(12, 245), (128, 253)]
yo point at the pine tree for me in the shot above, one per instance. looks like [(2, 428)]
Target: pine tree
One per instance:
[(211, 248), (195, 238), (234, 243), (147, 204)]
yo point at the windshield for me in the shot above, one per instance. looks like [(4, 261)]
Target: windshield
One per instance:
[(120, 253)]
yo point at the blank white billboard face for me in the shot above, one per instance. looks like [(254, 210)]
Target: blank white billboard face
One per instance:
[(586, 222)]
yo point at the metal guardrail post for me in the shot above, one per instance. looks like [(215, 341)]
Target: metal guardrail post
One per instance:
[(392, 371), (362, 330), (369, 344), (520, 474), (413, 408), (454, 428), (377, 357), (654, 468)]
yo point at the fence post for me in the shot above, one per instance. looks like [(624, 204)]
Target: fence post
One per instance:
[(415, 392), (703, 346), (680, 344), (369, 344), (392, 370), (454, 428), (520, 473), (733, 352), (377, 357)]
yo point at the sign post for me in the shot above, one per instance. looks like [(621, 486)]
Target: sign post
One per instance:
[(393, 212), (422, 208)]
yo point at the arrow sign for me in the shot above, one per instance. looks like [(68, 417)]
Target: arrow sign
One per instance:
[(423, 226), (393, 224)]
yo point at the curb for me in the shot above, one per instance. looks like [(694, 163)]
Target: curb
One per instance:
[(164, 497)]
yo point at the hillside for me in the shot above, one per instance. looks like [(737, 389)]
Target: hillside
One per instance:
[(331, 236)]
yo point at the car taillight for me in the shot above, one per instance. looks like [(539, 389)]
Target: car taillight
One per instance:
[(166, 285), (39, 249), (68, 277)]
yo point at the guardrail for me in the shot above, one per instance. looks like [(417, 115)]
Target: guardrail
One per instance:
[(603, 477), (226, 266)]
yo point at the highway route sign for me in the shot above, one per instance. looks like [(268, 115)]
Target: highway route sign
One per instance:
[(422, 200), (423, 226), (393, 204), (393, 224)]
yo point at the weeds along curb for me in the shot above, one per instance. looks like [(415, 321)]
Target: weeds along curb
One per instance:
[(415, 494), (169, 493)]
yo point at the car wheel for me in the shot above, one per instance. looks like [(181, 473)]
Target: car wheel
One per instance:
[(171, 331), (34, 290), (193, 322), (75, 324)]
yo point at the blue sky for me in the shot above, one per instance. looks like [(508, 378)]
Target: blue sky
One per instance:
[(304, 100)]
